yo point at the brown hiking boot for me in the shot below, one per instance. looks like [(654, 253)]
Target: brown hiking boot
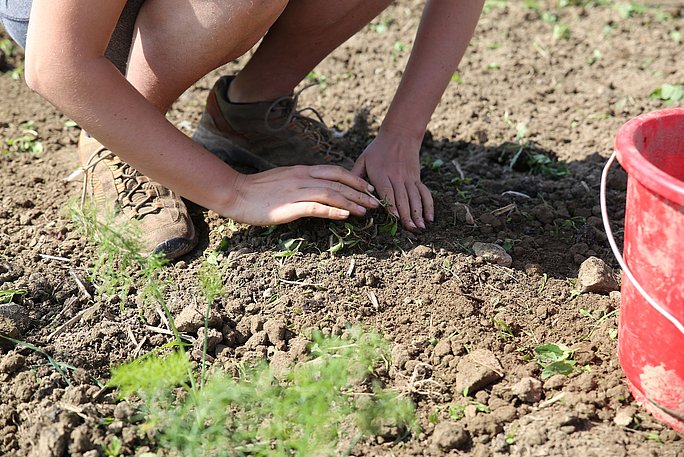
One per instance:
[(264, 135), (116, 188)]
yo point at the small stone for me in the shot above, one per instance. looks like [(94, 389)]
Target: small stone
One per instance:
[(533, 269), (280, 363), (371, 279), (449, 435), (268, 293), (625, 416), (476, 370), (528, 390), (596, 276), (288, 272), (422, 251), (493, 253), (189, 320), (17, 314), (80, 440), (12, 363), (555, 382), (442, 348)]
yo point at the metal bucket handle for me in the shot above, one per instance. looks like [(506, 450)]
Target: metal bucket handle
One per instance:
[(618, 255)]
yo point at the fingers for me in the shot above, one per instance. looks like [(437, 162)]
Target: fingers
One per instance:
[(359, 168), (428, 204), (298, 210), (339, 174), (403, 204)]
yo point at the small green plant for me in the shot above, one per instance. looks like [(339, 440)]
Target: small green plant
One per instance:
[(492, 4), (7, 47), (626, 10), (554, 359), (457, 410), (540, 163), (118, 260), (306, 411), (676, 36), (381, 25), (8, 295), (26, 142), (669, 93), (561, 31), (289, 247), (113, 448), (318, 78), (399, 49)]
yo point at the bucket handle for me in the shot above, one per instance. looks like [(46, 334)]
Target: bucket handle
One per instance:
[(618, 254)]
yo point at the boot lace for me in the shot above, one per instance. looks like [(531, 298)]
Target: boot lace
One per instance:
[(137, 195), (311, 129)]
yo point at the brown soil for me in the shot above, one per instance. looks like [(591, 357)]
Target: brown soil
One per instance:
[(436, 301)]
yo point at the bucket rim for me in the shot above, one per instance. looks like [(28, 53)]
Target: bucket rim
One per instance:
[(636, 165)]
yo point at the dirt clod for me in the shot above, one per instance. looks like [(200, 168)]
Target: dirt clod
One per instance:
[(448, 435), (624, 416), (596, 276), (190, 319), (493, 253), (422, 251), (528, 390), (11, 363), (476, 370)]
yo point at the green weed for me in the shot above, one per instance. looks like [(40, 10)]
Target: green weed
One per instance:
[(669, 93), (305, 412), (27, 142), (627, 10), (554, 359), (118, 264), (8, 295)]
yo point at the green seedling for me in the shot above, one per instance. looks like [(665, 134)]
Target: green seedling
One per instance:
[(505, 331), (493, 66), (554, 359), (561, 31), (669, 93), (627, 10), (544, 282), (381, 25), (7, 47), (113, 448), (457, 410), (305, 411), (8, 295), (676, 36), (290, 247), (492, 4), (318, 78), (399, 49), (58, 366), (456, 78), (437, 164), (26, 142), (596, 55)]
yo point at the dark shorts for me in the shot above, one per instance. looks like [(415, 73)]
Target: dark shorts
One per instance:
[(15, 16)]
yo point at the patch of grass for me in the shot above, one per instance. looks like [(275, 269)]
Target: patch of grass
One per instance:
[(318, 78), (306, 411), (561, 31), (494, 4), (627, 10)]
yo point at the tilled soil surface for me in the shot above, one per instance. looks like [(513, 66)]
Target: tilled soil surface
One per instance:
[(526, 83)]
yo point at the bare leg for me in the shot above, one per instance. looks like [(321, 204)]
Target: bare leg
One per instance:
[(305, 33), (177, 42)]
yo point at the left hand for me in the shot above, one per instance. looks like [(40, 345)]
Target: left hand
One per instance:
[(392, 165)]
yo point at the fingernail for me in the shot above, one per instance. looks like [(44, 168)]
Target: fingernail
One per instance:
[(371, 188), (343, 213), (421, 224), (361, 209)]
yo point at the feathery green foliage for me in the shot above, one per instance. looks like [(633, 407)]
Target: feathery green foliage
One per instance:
[(306, 411)]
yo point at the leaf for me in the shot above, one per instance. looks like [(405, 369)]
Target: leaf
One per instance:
[(151, 374), (550, 353), (563, 367)]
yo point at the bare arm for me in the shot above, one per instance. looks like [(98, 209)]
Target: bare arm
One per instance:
[(65, 63), (391, 161)]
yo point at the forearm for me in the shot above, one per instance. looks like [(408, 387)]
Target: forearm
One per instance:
[(93, 93), (442, 39)]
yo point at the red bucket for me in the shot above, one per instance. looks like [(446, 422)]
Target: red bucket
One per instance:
[(651, 335)]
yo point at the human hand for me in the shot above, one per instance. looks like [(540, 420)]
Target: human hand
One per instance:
[(284, 194), (392, 166)]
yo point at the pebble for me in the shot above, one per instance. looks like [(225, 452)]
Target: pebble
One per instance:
[(555, 382), (625, 416), (189, 320), (533, 269), (422, 251), (596, 276), (493, 253), (476, 370), (17, 314), (528, 390), (52, 442), (449, 435)]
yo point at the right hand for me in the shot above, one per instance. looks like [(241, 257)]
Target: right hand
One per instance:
[(284, 194)]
